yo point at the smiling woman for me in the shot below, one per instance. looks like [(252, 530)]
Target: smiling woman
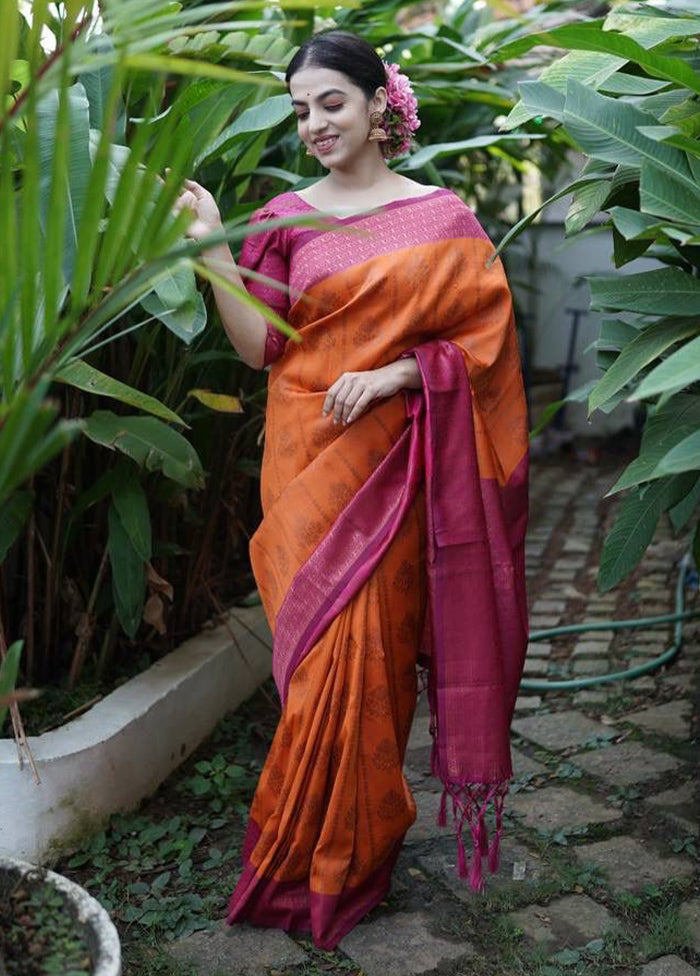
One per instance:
[(394, 492)]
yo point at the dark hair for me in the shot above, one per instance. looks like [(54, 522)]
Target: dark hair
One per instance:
[(341, 50)]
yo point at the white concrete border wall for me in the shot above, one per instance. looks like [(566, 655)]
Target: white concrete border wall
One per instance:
[(118, 752)]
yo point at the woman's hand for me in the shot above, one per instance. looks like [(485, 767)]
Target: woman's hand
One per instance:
[(352, 393), (207, 217)]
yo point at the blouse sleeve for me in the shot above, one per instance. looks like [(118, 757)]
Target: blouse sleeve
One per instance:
[(266, 252)]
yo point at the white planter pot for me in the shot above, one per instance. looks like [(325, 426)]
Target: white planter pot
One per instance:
[(118, 752), (87, 913)]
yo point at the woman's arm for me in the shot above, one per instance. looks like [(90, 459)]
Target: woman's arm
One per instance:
[(245, 326), (352, 393), (407, 373)]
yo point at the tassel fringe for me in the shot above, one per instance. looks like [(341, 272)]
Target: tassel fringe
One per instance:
[(469, 804)]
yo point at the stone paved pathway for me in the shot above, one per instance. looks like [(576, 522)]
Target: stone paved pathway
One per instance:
[(599, 869)]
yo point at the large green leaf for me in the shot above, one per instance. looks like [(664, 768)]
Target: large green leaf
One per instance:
[(590, 37), (665, 427), (177, 302), (586, 203), (97, 84), (13, 516), (153, 445), (428, 153), (647, 346), (671, 135), (257, 118), (86, 377), (679, 370), (685, 456), (623, 83), (128, 575), (634, 529), (666, 291), (132, 505), (634, 226), (588, 68), (661, 194), (78, 163), (650, 30), (608, 129), (682, 512)]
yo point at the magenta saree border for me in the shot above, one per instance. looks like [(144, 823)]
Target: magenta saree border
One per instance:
[(328, 580), (291, 905)]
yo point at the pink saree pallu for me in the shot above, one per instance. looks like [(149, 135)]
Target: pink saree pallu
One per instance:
[(389, 547)]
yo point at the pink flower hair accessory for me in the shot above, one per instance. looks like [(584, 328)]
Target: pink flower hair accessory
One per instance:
[(400, 117)]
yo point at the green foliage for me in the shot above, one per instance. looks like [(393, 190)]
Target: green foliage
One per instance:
[(626, 95)]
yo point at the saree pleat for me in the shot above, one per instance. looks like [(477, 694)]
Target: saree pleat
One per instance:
[(332, 806)]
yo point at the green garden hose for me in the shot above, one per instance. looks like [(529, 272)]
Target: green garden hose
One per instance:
[(536, 684)]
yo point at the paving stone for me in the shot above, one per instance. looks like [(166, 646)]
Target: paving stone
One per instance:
[(626, 763), (689, 911), (420, 733), (681, 803), (590, 666), (518, 867), (630, 864), (400, 945), (535, 665), (425, 825), (672, 719), (539, 649), (598, 636), (542, 621), (527, 703), (562, 575), (243, 949), (565, 923), (590, 697), (523, 764), (679, 682), (591, 648), (558, 730), (549, 606), (559, 806), (570, 591), (418, 761), (576, 544), (669, 966), (656, 636), (634, 660), (644, 683)]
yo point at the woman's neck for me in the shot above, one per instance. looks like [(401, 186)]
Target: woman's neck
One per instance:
[(368, 177)]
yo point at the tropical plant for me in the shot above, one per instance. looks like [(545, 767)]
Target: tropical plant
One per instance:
[(93, 252), (626, 95)]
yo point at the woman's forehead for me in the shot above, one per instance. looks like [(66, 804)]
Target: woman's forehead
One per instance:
[(311, 82)]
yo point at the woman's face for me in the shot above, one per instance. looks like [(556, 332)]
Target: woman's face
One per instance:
[(333, 115)]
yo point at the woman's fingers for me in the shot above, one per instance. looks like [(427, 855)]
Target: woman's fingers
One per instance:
[(360, 406), (351, 399)]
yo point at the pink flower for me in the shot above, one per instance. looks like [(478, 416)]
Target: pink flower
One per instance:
[(400, 118)]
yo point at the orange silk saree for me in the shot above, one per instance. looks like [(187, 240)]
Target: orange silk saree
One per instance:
[(390, 547)]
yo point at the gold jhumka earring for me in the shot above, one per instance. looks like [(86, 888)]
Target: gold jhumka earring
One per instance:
[(308, 152), (377, 133)]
